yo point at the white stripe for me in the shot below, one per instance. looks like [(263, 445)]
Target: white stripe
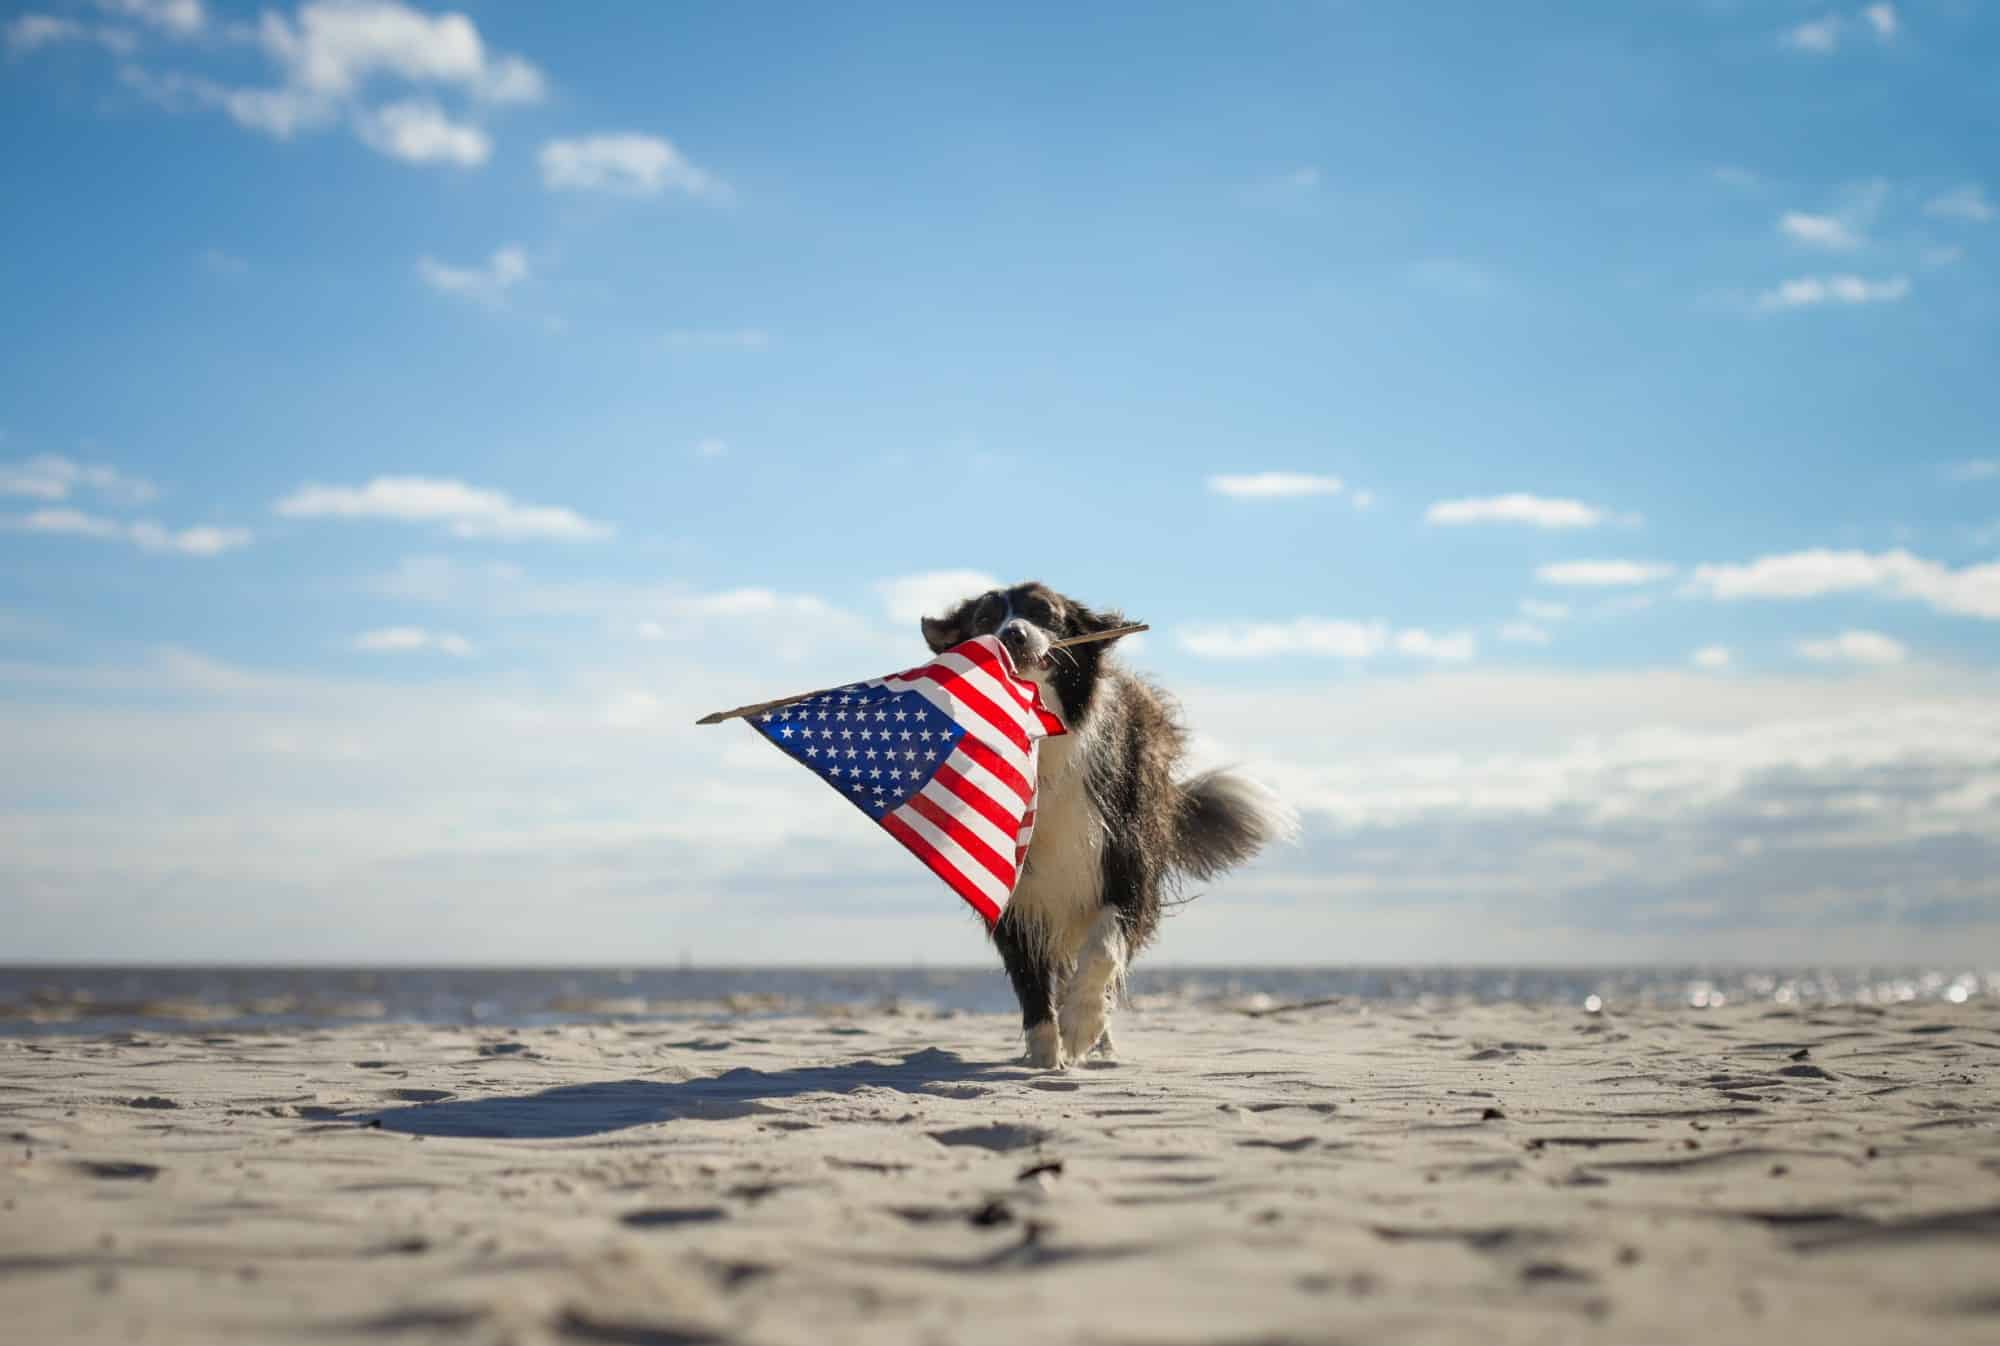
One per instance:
[(988, 783), (972, 819), (979, 875), (953, 709), (980, 679)]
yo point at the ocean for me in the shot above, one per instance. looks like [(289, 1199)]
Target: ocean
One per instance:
[(59, 999)]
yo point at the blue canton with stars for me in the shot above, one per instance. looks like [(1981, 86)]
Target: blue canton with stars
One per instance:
[(875, 746)]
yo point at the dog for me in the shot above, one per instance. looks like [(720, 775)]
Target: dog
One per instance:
[(1115, 828)]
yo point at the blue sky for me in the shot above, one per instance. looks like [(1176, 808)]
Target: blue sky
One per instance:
[(1551, 442)]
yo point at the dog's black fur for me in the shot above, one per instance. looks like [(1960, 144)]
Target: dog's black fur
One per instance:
[(1111, 782)]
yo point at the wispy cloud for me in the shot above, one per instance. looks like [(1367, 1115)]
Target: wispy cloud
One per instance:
[(53, 477), (1273, 485), (178, 18), (32, 32), (718, 338), (1977, 469), (1963, 203), (1855, 647), (1818, 36), (487, 285), (410, 640), (143, 533), (1540, 511), (1324, 638), (464, 511), (626, 164), (930, 593), (1543, 611), (1819, 231), (1602, 574), (1711, 656), (711, 448), (1814, 291), (1882, 18), (418, 131), (1971, 591), (1524, 633)]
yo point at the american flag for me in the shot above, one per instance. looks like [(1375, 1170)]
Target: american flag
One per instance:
[(942, 756)]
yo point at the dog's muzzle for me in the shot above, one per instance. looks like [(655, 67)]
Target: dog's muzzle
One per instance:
[(1026, 643)]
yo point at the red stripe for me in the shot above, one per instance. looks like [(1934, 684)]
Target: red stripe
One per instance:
[(1002, 771), (965, 838), (942, 867), (976, 701), (995, 660), (980, 801)]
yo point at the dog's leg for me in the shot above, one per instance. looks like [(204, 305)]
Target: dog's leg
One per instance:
[(1025, 954), (1099, 966)]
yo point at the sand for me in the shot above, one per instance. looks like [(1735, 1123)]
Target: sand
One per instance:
[(1334, 1173)]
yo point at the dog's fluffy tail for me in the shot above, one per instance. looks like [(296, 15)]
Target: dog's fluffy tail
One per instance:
[(1226, 819)]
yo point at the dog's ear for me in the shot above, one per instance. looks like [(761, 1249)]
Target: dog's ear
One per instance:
[(941, 635)]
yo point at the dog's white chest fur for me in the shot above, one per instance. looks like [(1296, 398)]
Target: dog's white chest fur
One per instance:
[(1060, 890)]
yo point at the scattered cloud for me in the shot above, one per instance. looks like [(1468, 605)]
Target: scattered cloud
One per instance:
[(931, 593), (1711, 656), (179, 18), (332, 55), (625, 164), (1813, 291), (1855, 647), (32, 32), (1361, 500), (1524, 633), (143, 533), (487, 285), (1543, 611), (1819, 231), (223, 263), (1942, 255), (1323, 638), (465, 511), (1882, 18), (417, 131), (1977, 469), (52, 477), (1602, 574), (1303, 179), (1971, 591), (1517, 508), (1730, 175), (411, 639), (1273, 485), (1819, 36), (1963, 203), (711, 448)]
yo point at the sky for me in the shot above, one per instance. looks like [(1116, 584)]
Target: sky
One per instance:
[(1552, 445)]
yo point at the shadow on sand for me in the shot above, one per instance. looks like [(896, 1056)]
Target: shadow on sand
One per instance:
[(591, 1109)]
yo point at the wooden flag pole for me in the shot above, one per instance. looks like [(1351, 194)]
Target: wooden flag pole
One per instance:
[(717, 717)]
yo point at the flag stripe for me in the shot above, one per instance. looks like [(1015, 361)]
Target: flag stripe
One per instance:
[(973, 877), (975, 805), (943, 868), (967, 701), (1002, 770), (953, 776), (967, 841)]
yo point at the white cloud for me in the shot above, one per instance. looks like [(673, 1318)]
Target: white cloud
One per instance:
[(1524, 633), (410, 639), (52, 477), (1977, 469), (1882, 18), (143, 534), (1813, 291), (1820, 36), (1303, 179), (1963, 203), (1322, 638), (625, 164), (931, 593), (31, 32), (1273, 485), (223, 263), (1942, 255), (1516, 508), (1602, 574), (1542, 611), (1819, 231), (418, 131), (1971, 591), (1361, 500), (1711, 656), (487, 285), (465, 511), (1855, 647), (711, 448), (336, 47)]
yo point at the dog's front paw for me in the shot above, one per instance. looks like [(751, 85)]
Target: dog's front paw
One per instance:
[(1045, 1051)]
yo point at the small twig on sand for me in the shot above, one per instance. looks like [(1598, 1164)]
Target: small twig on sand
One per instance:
[(717, 717), (1286, 1009)]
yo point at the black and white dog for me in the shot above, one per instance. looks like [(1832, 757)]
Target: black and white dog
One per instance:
[(1114, 828)]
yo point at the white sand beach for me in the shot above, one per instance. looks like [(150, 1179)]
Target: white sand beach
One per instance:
[(1333, 1173)]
